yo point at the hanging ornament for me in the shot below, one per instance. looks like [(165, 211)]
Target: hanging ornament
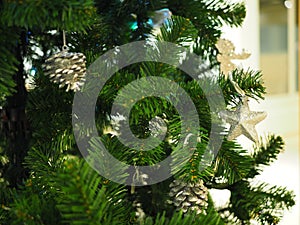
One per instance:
[(243, 121), (156, 20), (160, 17), (157, 126), (227, 54), (138, 177), (185, 197), (66, 68), (140, 215)]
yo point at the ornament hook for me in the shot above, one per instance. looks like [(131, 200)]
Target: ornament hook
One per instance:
[(238, 89), (65, 47)]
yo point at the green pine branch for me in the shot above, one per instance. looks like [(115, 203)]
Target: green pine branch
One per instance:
[(198, 166), (266, 154), (208, 17), (8, 62), (249, 81), (263, 203), (178, 218), (85, 199), (232, 163), (209, 217), (232, 14), (63, 15), (217, 12), (30, 207), (63, 188), (178, 30)]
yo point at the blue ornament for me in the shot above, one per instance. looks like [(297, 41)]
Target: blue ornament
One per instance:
[(33, 71), (133, 25), (158, 18), (161, 17)]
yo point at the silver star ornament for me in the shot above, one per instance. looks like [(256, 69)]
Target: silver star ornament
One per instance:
[(242, 121)]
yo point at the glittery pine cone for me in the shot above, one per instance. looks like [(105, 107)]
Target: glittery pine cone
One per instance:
[(66, 69), (189, 196)]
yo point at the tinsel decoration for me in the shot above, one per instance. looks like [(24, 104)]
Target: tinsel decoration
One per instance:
[(66, 68), (189, 196)]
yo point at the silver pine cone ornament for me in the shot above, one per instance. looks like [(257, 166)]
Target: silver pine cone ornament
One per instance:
[(66, 69), (189, 196)]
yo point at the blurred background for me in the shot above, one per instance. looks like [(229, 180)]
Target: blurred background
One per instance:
[(270, 33)]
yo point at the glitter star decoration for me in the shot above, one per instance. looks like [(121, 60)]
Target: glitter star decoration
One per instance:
[(243, 121), (226, 54)]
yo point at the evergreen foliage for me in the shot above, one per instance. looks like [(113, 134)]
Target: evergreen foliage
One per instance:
[(43, 177)]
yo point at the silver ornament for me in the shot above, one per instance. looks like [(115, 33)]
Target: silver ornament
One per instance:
[(185, 196), (66, 69), (242, 121)]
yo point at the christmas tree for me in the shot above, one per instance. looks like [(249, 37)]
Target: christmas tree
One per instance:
[(161, 132)]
